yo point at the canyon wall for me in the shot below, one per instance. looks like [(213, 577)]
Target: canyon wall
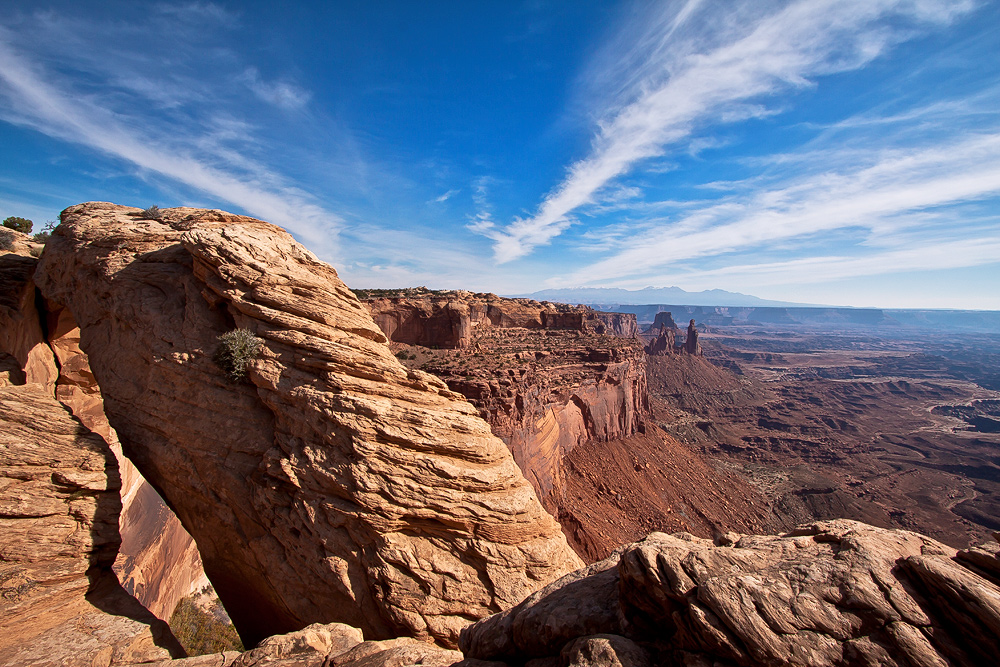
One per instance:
[(450, 319), (570, 399), (334, 484)]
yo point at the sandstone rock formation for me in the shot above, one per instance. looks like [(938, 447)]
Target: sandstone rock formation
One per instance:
[(60, 602), (39, 343), (330, 645), (336, 485), (24, 356), (158, 561), (833, 593), (691, 344), (663, 344), (450, 319), (662, 319)]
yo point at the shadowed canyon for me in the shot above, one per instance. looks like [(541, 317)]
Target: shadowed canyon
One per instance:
[(439, 478)]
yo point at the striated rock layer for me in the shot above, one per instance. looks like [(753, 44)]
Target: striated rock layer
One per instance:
[(158, 561), (336, 485), (60, 602), (833, 593), (452, 319), (39, 343)]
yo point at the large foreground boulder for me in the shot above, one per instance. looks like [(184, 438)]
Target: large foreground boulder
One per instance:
[(60, 602), (333, 484), (833, 593)]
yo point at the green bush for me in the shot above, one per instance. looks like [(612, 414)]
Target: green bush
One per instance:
[(22, 225), (202, 632), (151, 213), (237, 350)]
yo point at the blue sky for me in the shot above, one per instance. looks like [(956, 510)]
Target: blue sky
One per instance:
[(822, 151)]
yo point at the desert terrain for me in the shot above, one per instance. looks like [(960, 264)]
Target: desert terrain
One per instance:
[(896, 426)]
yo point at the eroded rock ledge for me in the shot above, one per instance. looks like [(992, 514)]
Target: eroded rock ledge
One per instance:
[(833, 593), (337, 486), (60, 602)]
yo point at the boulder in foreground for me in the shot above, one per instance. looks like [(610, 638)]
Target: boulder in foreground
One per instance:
[(833, 593)]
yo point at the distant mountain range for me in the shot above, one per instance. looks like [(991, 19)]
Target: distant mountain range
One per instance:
[(606, 296)]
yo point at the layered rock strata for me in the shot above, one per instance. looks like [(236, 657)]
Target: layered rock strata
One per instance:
[(60, 602), (545, 392), (450, 320), (833, 593), (39, 343), (335, 485), (158, 561)]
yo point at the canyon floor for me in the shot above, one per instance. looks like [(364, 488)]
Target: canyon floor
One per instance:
[(897, 428)]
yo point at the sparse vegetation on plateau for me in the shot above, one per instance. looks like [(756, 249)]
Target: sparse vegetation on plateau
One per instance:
[(22, 225), (151, 213), (203, 631), (237, 350)]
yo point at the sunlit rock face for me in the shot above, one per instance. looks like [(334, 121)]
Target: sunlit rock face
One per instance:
[(832, 593), (334, 485), (60, 602), (39, 343)]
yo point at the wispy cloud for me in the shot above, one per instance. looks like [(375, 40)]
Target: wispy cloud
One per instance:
[(445, 197), (686, 72), (894, 199), (281, 94), (202, 155)]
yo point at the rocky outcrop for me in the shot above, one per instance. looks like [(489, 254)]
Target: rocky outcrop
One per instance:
[(691, 344), (330, 645), (158, 561), (24, 356), (39, 343), (60, 602), (662, 319), (663, 344), (335, 485), (544, 392), (449, 320), (833, 593), (623, 325)]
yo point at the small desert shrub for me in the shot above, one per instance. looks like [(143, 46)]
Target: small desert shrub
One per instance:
[(201, 631), (151, 213), (36, 251), (43, 236), (237, 349), (6, 240)]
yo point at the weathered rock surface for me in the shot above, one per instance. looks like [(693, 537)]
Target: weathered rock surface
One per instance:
[(451, 319), (24, 356), (158, 561), (60, 603), (545, 392), (663, 319), (330, 645), (691, 344), (338, 486), (663, 344), (833, 593)]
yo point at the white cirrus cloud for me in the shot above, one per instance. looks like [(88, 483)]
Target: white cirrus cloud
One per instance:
[(695, 64), (31, 96), (898, 194)]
